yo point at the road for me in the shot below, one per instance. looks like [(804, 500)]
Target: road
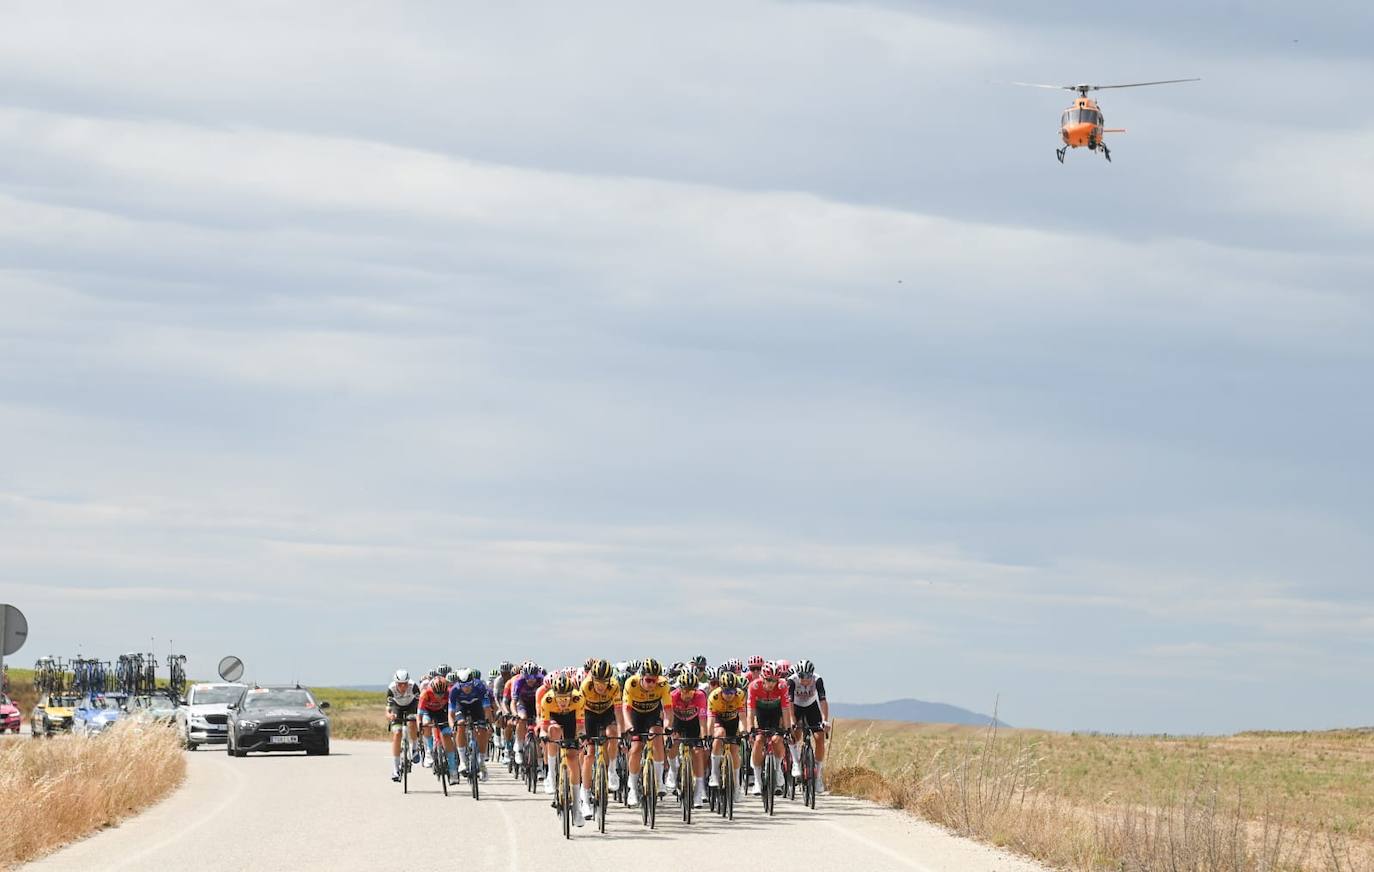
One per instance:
[(342, 812)]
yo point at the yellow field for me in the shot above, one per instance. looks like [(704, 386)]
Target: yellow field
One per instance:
[(1261, 801), (61, 789)]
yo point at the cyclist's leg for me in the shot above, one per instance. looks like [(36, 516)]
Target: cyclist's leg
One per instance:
[(717, 752), (460, 742)]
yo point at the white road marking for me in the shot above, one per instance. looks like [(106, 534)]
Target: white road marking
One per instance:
[(881, 849)]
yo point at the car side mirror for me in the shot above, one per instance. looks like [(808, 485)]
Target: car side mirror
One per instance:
[(324, 705)]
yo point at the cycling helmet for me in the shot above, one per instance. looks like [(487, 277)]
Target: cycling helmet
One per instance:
[(528, 668), (687, 681), (651, 667), (730, 681), (443, 670), (429, 676), (699, 661), (563, 684), (636, 665), (402, 676), (600, 671), (784, 668), (805, 669), (439, 684), (589, 662), (506, 667), (453, 678), (712, 674), (768, 671), (677, 668), (622, 666), (756, 662)]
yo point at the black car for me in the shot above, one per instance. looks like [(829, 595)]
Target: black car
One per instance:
[(277, 719)]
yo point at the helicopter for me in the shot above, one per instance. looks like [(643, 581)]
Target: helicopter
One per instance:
[(1081, 125)]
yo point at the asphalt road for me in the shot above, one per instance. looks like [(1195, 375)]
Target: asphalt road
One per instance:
[(342, 812)]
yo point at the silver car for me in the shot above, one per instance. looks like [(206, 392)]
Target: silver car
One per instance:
[(203, 718)]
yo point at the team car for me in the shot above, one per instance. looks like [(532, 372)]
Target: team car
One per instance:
[(96, 714), (54, 713), (10, 718), (204, 718), (277, 719), (153, 708)]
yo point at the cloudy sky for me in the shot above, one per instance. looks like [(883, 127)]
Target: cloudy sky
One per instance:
[(348, 336)]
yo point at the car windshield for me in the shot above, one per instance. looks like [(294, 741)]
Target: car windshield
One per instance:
[(155, 704), (64, 702), (214, 695), (105, 703), (256, 699)]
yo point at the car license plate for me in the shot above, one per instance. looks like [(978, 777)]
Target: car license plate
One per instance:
[(286, 740)]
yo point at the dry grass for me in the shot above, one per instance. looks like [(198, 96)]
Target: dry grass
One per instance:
[(1248, 803), (59, 790), (358, 723)]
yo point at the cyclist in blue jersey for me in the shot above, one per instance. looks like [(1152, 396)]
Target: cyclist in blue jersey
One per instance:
[(470, 699)]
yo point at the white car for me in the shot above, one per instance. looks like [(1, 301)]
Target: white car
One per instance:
[(204, 717)]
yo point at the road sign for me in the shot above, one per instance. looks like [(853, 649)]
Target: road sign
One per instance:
[(14, 629), (231, 668)]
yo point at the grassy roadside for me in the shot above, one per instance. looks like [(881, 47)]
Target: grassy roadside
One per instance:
[(1244, 803), (62, 789)]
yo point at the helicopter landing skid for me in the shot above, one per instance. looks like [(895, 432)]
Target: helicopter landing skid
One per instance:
[(1059, 153)]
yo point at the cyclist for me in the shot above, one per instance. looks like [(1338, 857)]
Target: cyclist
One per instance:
[(601, 696), (810, 708), (768, 708), (755, 667), (498, 693), (561, 709), (698, 667), (722, 722), (470, 699), (645, 704), (434, 718), (524, 695), (689, 711), (402, 701)]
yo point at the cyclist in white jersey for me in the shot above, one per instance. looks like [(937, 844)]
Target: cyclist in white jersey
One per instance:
[(402, 700), (809, 707)]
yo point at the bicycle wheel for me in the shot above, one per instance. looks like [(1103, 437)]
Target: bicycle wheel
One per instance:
[(474, 769), (686, 783), (599, 786), (770, 782), (652, 794), (808, 765), (565, 798)]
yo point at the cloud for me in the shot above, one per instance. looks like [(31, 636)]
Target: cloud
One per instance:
[(773, 312)]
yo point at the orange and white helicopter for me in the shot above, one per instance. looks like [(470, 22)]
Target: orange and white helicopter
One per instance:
[(1081, 125)]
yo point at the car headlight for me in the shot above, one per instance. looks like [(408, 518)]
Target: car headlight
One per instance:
[(199, 721), (319, 723), (250, 726)]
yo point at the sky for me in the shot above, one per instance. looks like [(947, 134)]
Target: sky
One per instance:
[(344, 336)]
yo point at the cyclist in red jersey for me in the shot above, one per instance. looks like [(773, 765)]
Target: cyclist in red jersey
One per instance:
[(769, 707), (434, 715)]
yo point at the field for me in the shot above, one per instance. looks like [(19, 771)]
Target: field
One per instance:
[(1254, 801), (64, 788)]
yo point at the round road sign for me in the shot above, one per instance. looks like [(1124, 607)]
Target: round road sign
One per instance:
[(231, 668), (14, 627)]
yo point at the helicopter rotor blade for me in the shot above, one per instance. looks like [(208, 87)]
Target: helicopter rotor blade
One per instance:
[(1138, 84), (1038, 85)]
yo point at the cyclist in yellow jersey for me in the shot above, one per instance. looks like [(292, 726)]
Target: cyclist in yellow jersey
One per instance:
[(646, 708), (723, 709), (561, 709), (601, 695)]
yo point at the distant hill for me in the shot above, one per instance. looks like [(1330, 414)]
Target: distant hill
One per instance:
[(913, 710)]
